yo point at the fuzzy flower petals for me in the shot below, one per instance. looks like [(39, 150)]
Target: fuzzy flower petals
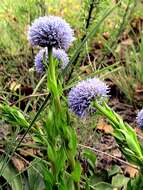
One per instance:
[(39, 66), (81, 96), (139, 118), (50, 31), (59, 54)]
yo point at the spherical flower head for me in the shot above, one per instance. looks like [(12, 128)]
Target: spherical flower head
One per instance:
[(61, 56), (139, 118), (50, 31), (39, 61), (84, 93), (42, 56)]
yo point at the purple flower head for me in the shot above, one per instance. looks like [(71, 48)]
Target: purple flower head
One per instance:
[(59, 54), (39, 59), (81, 96), (50, 31), (139, 118)]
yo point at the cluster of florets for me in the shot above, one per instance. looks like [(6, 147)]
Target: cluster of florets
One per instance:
[(53, 31), (41, 59), (140, 118), (50, 31), (80, 97)]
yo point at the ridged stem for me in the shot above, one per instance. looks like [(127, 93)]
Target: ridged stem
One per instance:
[(53, 87), (71, 160), (52, 81)]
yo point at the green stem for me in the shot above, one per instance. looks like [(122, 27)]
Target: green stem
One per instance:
[(77, 186), (51, 78), (71, 161), (118, 123), (53, 87), (51, 69), (106, 113)]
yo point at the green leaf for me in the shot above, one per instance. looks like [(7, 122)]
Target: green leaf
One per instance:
[(114, 170), (118, 135), (77, 172), (120, 181), (49, 180), (68, 181), (44, 173), (51, 153), (11, 175), (98, 178), (90, 156), (13, 115), (48, 126), (72, 140), (132, 144), (34, 178), (60, 161), (37, 139), (103, 185), (136, 183), (63, 187)]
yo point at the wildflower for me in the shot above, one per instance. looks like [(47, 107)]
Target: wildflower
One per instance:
[(139, 118), (59, 54), (39, 59), (50, 31), (81, 96)]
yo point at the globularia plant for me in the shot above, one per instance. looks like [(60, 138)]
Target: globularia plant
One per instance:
[(81, 97), (90, 96), (55, 35), (42, 58), (63, 170), (50, 31)]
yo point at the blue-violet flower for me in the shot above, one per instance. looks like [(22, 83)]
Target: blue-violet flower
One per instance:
[(81, 96), (59, 54), (50, 31), (139, 118)]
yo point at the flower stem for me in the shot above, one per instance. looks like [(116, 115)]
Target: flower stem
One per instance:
[(52, 81), (51, 67), (122, 128), (53, 87), (106, 113), (71, 160)]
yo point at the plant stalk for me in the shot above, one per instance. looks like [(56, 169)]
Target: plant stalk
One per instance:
[(52, 81), (53, 87)]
